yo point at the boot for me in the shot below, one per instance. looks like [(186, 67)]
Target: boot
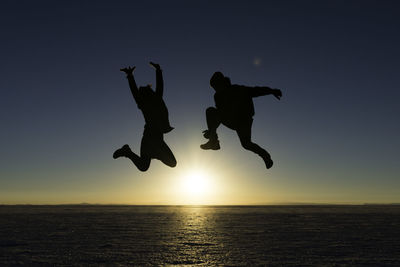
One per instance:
[(211, 144)]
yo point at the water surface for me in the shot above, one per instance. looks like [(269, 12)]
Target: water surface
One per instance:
[(205, 235)]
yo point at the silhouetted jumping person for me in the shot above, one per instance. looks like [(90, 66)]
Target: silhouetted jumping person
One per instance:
[(157, 124), (235, 109)]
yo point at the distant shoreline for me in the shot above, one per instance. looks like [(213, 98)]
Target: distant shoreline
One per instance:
[(211, 205)]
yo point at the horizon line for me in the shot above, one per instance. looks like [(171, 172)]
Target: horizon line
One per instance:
[(221, 205)]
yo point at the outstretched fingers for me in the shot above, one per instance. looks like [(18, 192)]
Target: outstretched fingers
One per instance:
[(128, 70)]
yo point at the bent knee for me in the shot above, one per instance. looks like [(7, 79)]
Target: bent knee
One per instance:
[(169, 161), (143, 168)]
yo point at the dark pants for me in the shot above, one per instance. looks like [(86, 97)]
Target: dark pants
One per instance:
[(242, 126), (152, 147)]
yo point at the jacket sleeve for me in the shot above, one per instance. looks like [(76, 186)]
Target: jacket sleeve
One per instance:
[(256, 91)]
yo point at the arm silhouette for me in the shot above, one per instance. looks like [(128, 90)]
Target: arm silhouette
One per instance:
[(159, 79), (132, 83), (262, 91)]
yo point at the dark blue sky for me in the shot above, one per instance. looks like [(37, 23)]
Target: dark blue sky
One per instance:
[(65, 106)]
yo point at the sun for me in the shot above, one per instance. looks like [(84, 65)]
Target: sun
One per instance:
[(198, 183), (196, 186), (195, 182)]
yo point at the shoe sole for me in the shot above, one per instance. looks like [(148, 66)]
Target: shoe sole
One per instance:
[(211, 148)]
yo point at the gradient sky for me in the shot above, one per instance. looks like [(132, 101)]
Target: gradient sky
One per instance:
[(65, 107)]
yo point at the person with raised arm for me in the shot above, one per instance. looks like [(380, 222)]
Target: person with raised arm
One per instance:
[(157, 123)]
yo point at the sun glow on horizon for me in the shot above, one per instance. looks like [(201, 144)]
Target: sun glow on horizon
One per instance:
[(196, 182), (196, 186)]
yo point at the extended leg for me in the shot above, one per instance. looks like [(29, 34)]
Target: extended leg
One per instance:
[(213, 121), (244, 133), (142, 163)]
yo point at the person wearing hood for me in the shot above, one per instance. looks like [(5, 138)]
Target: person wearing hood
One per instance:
[(234, 108)]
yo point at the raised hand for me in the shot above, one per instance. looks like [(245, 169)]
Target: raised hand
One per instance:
[(154, 65), (128, 70), (277, 93)]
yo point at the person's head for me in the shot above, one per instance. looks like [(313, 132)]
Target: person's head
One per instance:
[(145, 90), (218, 81)]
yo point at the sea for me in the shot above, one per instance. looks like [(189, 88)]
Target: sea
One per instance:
[(118, 235)]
